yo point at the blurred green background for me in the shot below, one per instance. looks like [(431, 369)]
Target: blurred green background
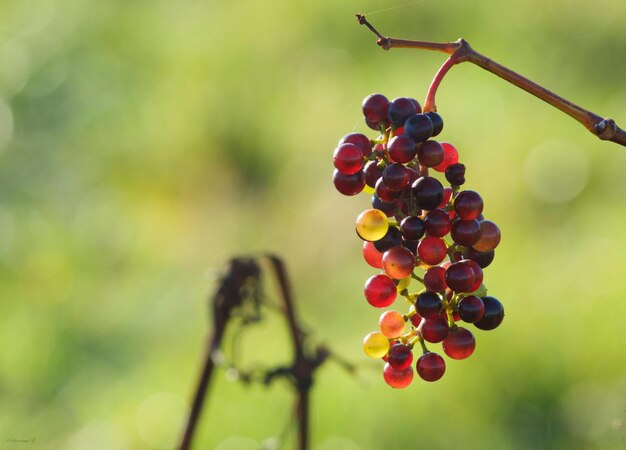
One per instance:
[(143, 143)]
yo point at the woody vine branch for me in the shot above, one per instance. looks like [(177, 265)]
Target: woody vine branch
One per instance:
[(460, 51)]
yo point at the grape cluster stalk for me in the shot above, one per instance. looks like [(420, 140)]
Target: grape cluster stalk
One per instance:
[(418, 231)]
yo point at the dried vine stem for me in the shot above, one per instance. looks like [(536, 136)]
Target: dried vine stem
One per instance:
[(460, 51), (241, 282)]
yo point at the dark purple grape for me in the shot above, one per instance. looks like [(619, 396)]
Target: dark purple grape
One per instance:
[(412, 228), (375, 107), (411, 245), (413, 174), (418, 107), (482, 258), (437, 223), (435, 279), (430, 153), (418, 127), (396, 177), (494, 314), (391, 239), (471, 309), (428, 193), (428, 305), (386, 194), (400, 109), (377, 125), (372, 173), (400, 356), (349, 184), (437, 121), (387, 207), (455, 174), (360, 140), (402, 148), (465, 232), (460, 277)]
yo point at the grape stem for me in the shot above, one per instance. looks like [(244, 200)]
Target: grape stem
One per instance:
[(460, 51)]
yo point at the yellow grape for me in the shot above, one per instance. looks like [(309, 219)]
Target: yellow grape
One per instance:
[(375, 345), (391, 324), (368, 189), (372, 225)]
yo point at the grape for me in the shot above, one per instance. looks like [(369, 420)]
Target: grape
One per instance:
[(398, 379), (387, 207), (460, 277), (418, 127), (384, 193), (372, 256), (402, 148), (348, 159), (400, 357), (427, 192), (437, 121), (431, 250), (494, 314), (428, 305), (395, 177), (372, 173), (447, 194), (465, 232), (372, 225), (435, 279), (430, 366), (483, 259), (376, 125), (450, 156), (459, 344), (413, 175), (349, 184), (435, 330), (471, 309), (430, 153), (410, 245), (391, 324), (375, 108), (416, 319), (400, 109), (412, 228), (398, 131), (468, 205), (478, 273), (489, 236), (455, 174), (375, 345), (437, 223), (360, 140), (380, 291), (398, 262), (418, 107), (391, 239)]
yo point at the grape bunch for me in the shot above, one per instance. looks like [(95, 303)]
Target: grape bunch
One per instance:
[(418, 230)]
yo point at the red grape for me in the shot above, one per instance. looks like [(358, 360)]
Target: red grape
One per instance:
[(380, 291)]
